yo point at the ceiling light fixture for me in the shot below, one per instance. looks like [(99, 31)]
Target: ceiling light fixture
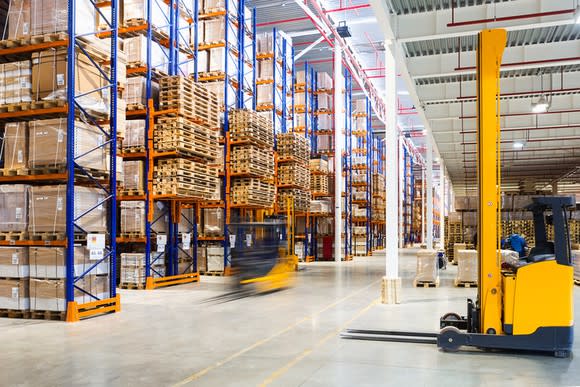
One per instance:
[(541, 106), (403, 92), (518, 145), (577, 14), (343, 30)]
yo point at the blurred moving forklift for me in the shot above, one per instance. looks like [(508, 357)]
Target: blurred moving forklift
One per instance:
[(263, 251), (529, 304)]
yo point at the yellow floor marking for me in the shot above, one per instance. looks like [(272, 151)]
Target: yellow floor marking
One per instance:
[(281, 371), (258, 343)]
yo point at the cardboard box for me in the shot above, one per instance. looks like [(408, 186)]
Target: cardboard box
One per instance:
[(133, 171), (133, 218), (15, 145), (266, 71), (136, 49), (201, 259), (13, 207), (49, 79), (18, 19), (137, 9), (264, 43), (215, 258), (47, 208), (15, 82), (50, 294), (264, 94), (14, 294), (215, 30), (136, 91), (134, 134), (50, 16), (14, 262), (48, 139), (50, 262)]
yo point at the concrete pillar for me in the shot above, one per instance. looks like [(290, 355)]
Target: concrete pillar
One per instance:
[(391, 284), (429, 209), (423, 206), (338, 149)]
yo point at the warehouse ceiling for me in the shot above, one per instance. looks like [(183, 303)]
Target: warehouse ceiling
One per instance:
[(542, 59)]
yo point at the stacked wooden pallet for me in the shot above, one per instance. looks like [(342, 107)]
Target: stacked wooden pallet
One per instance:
[(187, 138), (183, 177), (184, 97), (251, 159), (293, 145), (250, 127), (252, 192), (301, 199), (319, 184), (296, 175)]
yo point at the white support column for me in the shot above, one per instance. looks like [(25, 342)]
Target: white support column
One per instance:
[(401, 189), (429, 236), (442, 203), (391, 285), (423, 199), (338, 149)]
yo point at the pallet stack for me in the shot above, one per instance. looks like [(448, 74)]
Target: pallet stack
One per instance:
[(251, 161), (133, 270), (293, 171)]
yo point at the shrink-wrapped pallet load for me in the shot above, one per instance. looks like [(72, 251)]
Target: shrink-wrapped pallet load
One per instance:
[(13, 208), (50, 294), (15, 82), (15, 146), (215, 258), (48, 145), (18, 19), (427, 267), (14, 262), (134, 181), (133, 218), (14, 294), (134, 135), (467, 267), (47, 209), (213, 222)]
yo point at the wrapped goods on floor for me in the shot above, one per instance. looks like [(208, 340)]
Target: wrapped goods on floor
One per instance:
[(466, 267), (427, 267)]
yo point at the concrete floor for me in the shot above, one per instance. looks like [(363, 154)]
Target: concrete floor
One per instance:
[(289, 338)]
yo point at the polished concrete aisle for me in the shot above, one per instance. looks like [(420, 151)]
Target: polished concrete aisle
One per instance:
[(289, 338)]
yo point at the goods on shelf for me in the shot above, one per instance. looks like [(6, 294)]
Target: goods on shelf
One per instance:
[(183, 177), (14, 262), (320, 206), (252, 192), (323, 81), (252, 160), (135, 93), (319, 184), (466, 267), (134, 136), (47, 209), (15, 82), (14, 294), (47, 145), (264, 43), (301, 199), (249, 126), (135, 13), (293, 145), (133, 218), (213, 222), (319, 165), (133, 181), (49, 294), (133, 268), (15, 147), (14, 208), (50, 262), (177, 134), (294, 175), (201, 259), (190, 100)]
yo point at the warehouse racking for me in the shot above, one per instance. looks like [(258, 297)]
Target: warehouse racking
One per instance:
[(349, 234), (74, 173), (378, 194), (408, 182)]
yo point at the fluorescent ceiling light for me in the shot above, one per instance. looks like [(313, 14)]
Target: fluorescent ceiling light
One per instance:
[(577, 14), (518, 145), (403, 92)]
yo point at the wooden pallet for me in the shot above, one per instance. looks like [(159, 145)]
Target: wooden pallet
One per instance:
[(47, 315), (131, 286), (426, 284), (14, 313), (133, 149), (14, 236), (14, 172), (48, 236), (130, 192), (249, 126), (135, 106), (464, 284)]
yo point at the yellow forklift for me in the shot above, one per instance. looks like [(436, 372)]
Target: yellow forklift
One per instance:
[(527, 305)]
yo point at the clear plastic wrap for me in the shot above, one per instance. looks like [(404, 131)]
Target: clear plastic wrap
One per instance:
[(15, 82), (50, 294), (467, 270), (264, 94), (323, 81), (18, 19), (213, 221), (264, 43), (133, 171), (427, 266), (47, 209), (134, 134), (13, 208), (266, 71), (14, 262), (133, 218), (14, 294), (50, 262), (215, 258), (135, 91), (47, 145)]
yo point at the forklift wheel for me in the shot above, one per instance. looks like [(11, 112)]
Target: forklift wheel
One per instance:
[(449, 339), (451, 316)]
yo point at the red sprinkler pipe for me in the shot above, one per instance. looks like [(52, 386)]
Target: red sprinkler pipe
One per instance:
[(504, 18), (298, 19), (531, 62)]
